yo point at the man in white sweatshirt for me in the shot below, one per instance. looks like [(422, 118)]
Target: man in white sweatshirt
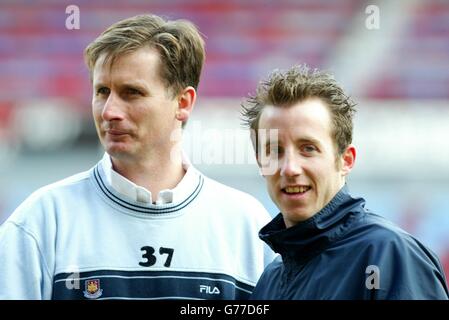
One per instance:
[(143, 223)]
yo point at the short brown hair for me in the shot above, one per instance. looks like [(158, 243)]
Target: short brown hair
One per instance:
[(299, 83), (178, 42)]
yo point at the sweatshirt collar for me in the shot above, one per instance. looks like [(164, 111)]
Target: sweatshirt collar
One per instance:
[(311, 236), (129, 189)]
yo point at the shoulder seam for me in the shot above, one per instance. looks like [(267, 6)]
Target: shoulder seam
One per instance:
[(31, 235)]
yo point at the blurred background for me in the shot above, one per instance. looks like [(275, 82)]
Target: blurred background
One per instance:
[(392, 57)]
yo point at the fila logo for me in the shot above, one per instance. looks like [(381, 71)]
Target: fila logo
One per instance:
[(209, 290)]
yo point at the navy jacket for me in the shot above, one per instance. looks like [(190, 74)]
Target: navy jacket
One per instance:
[(347, 252)]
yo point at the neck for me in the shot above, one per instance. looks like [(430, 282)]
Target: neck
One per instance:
[(155, 174)]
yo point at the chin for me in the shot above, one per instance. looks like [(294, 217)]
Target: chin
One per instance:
[(296, 216), (118, 151)]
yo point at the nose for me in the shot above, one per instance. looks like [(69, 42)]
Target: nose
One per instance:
[(291, 165), (112, 109)]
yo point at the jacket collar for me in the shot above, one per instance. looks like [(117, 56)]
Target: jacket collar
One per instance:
[(309, 237)]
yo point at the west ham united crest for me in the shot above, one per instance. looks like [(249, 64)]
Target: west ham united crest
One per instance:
[(93, 289)]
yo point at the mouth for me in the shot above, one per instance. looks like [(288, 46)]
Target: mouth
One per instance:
[(296, 190), (115, 132)]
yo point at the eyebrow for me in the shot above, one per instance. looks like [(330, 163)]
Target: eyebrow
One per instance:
[(300, 140), (308, 140), (133, 85)]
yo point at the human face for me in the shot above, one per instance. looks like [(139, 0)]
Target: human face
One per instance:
[(307, 175), (134, 112)]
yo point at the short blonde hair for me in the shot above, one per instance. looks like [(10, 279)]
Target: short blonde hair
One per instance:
[(285, 88), (178, 42)]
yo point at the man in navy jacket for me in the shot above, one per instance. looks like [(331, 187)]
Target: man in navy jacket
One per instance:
[(330, 245)]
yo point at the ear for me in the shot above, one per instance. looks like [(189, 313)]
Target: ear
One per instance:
[(348, 160), (186, 100)]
